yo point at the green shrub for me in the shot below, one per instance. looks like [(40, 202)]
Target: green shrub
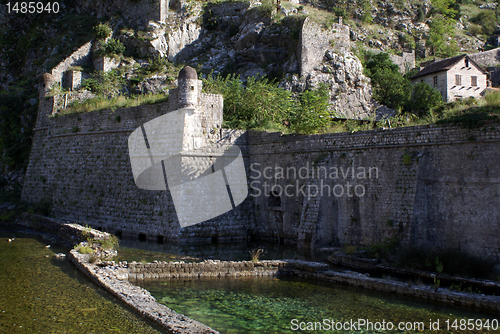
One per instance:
[(450, 262), (104, 83), (389, 86), (383, 250), (492, 99), (256, 253), (7, 216), (260, 104), (112, 48), (312, 114), (424, 99), (349, 250), (110, 242), (158, 64), (102, 31), (475, 30), (407, 158), (487, 20)]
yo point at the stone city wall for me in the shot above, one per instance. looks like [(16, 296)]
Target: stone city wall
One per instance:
[(81, 163), (406, 61), (314, 41), (487, 58), (429, 186), (80, 57)]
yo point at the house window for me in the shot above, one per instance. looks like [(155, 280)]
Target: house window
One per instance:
[(473, 81), (466, 62), (458, 80), (435, 79), (192, 87)]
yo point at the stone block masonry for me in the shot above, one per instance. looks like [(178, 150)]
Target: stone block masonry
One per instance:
[(314, 42), (211, 268), (81, 163), (428, 186)]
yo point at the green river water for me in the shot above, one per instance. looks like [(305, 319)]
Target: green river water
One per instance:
[(40, 294), (269, 305)]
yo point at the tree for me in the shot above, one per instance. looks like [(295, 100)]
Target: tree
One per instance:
[(441, 41), (389, 86), (448, 8), (424, 98), (311, 115)]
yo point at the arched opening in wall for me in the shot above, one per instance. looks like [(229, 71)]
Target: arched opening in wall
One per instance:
[(214, 239), (142, 237), (118, 234), (160, 239), (274, 199)]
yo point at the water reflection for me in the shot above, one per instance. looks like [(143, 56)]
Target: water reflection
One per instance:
[(134, 250)]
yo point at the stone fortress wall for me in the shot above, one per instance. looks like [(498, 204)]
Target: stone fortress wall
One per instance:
[(81, 164), (437, 186), (429, 186), (487, 58), (314, 41)]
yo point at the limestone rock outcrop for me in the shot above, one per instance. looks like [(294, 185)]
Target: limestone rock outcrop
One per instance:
[(350, 90)]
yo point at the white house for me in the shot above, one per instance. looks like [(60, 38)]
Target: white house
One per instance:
[(455, 78)]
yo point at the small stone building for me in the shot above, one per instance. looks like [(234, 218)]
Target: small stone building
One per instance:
[(455, 78)]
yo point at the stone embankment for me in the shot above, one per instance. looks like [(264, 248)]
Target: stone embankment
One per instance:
[(373, 267), (115, 278), (215, 268)]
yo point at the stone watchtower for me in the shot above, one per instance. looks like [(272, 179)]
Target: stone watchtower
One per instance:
[(189, 94)]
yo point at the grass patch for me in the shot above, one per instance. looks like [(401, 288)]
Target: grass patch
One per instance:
[(102, 103), (84, 249), (256, 254), (109, 243), (349, 250)]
